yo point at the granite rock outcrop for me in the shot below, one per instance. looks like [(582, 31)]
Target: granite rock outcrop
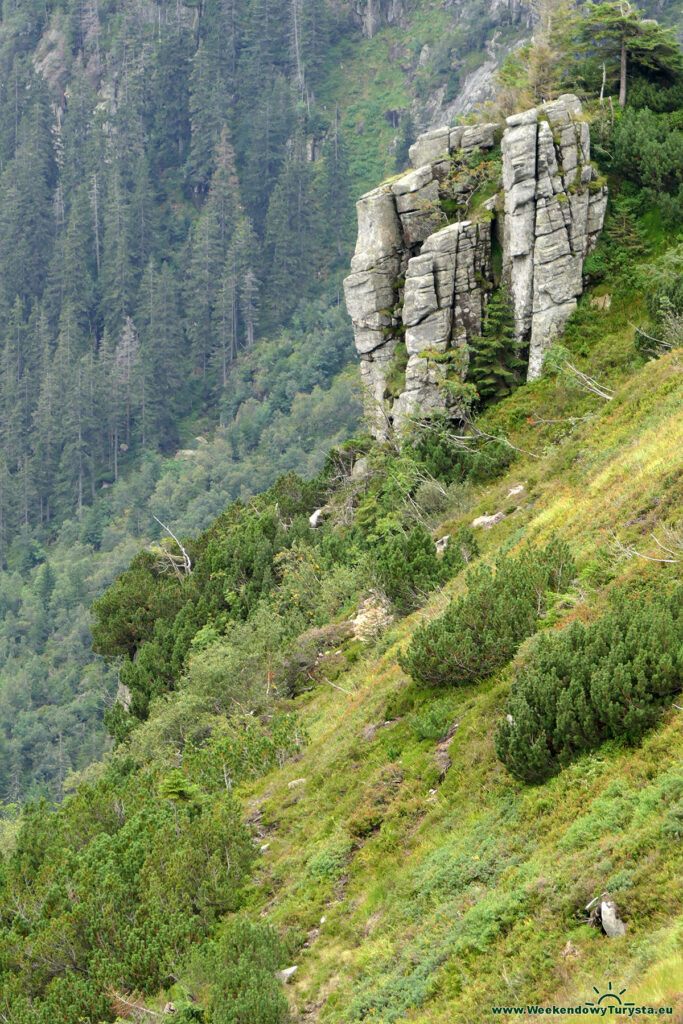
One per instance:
[(422, 273)]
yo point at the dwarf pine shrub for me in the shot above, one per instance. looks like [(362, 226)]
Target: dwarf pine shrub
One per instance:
[(588, 684), (407, 566), (481, 631), (245, 986)]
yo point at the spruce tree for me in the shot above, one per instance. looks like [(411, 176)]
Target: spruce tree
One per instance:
[(336, 198), (495, 366)]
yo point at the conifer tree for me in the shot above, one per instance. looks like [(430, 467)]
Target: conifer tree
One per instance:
[(205, 120), (117, 269), (202, 281), (336, 199), (617, 34), (163, 365), (495, 366)]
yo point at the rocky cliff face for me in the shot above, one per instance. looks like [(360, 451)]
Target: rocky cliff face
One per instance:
[(554, 211), (373, 15), (419, 285)]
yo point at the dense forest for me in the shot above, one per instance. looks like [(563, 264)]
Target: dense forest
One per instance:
[(176, 214), (160, 210)]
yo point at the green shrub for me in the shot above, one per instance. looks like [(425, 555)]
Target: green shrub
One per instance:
[(328, 863), (588, 684), (408, 566), (481, 631), (433, 721), (246, 988), (443, 455)]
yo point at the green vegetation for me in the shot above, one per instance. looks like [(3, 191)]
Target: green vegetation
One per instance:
[(281, 416), (495, 364), (587, 684), (282, 793), (480, 632), (408, 567), (422, 870), (470, 181)]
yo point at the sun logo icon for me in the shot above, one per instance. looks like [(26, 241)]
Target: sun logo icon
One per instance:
[(609, 998)]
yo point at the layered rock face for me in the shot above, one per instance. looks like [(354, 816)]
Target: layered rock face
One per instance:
[(554, 211), (419, 285)]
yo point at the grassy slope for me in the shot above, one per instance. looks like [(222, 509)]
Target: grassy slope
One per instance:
[(470, 890)]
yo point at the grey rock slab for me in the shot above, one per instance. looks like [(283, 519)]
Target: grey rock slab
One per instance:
[(550, 217), (527, 117), (551, 247), (521, 193), (413, 181), (479, 136), (379, 229), (565, 108), (420, 224), (369, 296), (455, 138), (419, 298), (555, 284), (519, 154), (419, 199), (430, 147), (610, 920), (433, 332), (597, 207), (361, 468), (520, 230), (546, 156)]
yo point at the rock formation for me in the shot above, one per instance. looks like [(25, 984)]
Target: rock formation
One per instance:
[(419, 285), (554, 211), (373, 15)]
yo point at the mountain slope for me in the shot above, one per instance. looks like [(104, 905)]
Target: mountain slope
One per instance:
[(470, 892), (445, 885)]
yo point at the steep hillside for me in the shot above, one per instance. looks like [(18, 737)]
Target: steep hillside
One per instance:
[(292, 799), (400, 739), (424, 882), (158, 285)]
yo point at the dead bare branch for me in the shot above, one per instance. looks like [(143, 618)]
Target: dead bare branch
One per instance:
[(589, 384), (569, 419), (629, 551), (187, 561)]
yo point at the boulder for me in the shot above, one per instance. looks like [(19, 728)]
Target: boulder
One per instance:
[(611, 922), (372, 618), (361, 468), (488, 521), (479, 136), (314, 520)]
